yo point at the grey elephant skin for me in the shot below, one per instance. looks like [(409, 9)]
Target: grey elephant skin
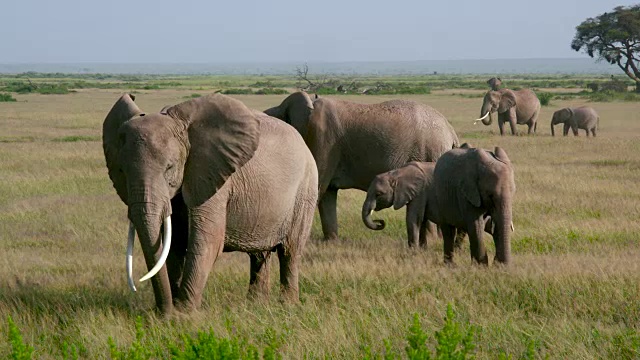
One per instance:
[(231, 179), (520, 107), (467, 185), (494, 83), (584, 117), (409, 185), (352, 143)]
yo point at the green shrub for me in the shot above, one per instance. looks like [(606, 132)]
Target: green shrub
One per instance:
[(271, 91), (19, 350), (6, 97), (237, 91), (51, 89), (545, 98), (193, 96)]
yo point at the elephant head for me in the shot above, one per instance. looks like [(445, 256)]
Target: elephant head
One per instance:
[(295, 110), (500, 101), (192, 147), (494, 83), (393, 188), (559, 117), (489, 183)]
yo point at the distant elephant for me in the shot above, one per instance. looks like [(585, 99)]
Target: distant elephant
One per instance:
[(352, 143), (409, 185), (521, 107), (467, 184), (494, 83), (584, 117), (223, 178)]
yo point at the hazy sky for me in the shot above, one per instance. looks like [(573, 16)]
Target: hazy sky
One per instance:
[(264, 31)]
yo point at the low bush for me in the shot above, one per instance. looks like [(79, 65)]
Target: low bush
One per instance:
[(545, 98), (455, 340), (6, 97)]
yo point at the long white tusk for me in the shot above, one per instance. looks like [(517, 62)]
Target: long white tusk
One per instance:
[(512, 228), (166, 244), (132, 236), (482, 118)]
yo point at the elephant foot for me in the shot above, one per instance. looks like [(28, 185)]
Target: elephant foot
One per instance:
[(290, 296), (330, 237), (185, 306), (256, 293)]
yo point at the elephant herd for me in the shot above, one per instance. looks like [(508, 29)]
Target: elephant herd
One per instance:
[(210, 175), (522, 107)]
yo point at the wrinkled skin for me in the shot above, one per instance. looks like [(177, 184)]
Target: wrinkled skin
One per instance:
[(352, 143), (494, 83), (409, 185), (231, 179), (514, 107), (468, 184), (584, 117)]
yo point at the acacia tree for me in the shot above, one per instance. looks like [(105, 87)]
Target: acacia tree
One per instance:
[(613, 37)]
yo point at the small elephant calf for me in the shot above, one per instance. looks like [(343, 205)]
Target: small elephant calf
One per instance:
[(397, 188), (584, 117), (468, 190)]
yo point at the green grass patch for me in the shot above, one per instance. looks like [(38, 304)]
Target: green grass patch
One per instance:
[(6, 97), (76, 138)]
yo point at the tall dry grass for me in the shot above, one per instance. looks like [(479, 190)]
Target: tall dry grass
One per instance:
[(573, 286)]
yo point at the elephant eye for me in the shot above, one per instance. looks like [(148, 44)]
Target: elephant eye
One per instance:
[(169, 167)]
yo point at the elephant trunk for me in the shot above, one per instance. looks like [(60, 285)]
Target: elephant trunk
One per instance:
[(486, 110), (147, 219), (502, 232), (553, 132), (367, 209)]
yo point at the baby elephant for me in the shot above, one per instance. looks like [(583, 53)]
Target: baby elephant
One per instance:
[(408, 185), (583, 117), (468, 191)]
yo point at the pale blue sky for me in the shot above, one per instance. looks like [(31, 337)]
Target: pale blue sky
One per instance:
[(161, 31)]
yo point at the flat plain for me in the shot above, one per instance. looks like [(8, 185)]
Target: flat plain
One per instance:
[(573, 287)]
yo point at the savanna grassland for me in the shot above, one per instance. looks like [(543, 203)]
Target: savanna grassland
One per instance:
[(572, 291)]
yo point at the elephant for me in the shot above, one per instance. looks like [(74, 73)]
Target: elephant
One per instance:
[(464, 187), (409, 185), (352, 142), (494, 83), (521, 107), (584, 117), (223, 178)]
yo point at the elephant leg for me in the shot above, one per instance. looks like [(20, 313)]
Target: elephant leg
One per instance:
[(179, 241), (530, 130), (574, 129), (512, 122), (206, 243), (565, 129), (414, 219), (289, 262), (259, 274), (428, 230), (593, 132), (328, 214), (459, 238), (448, 234), (501, 124), (478, 250)]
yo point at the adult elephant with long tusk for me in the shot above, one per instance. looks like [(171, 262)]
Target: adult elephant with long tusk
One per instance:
[(209, 175), (514, 107)]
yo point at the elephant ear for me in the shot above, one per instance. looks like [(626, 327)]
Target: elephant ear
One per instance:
[(410, 181), (469, 182), (502, 155), (123, 110), (507, 101), (295, 110), (223, 134), (570, 112)]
